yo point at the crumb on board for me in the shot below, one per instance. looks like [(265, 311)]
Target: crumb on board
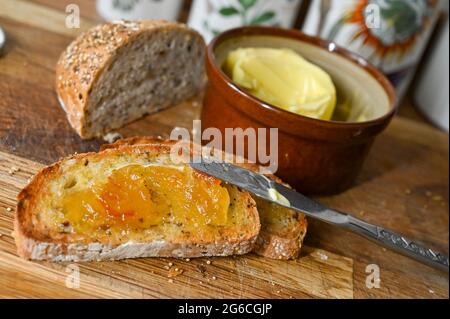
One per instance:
[(201, 269), (112, 137), (208, 262), (322, 256), (8, 209), (170, 280), (431, 291), (174, 272), (170, 264), (214, 278), (13, 170)]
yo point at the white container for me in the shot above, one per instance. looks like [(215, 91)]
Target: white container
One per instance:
[(139, 9), (211, 17), (391, 34), (2, 40), (432, 90)]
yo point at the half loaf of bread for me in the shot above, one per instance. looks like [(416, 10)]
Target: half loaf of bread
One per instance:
[(116, 73)]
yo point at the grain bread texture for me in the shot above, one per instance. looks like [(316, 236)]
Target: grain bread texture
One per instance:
[(38, 239), (282, 230), (116, 73)]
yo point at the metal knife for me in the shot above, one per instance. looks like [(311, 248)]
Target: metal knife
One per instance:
[(267, 189)]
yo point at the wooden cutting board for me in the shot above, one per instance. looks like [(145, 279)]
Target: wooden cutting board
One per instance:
[(317, 273)]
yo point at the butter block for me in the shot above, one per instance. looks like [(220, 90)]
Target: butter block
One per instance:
[(285, 79)]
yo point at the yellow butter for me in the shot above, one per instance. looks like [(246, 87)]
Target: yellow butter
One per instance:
[(277, 197), (285, 79)]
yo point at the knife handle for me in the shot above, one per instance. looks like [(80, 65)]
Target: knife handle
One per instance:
[(399, 243)]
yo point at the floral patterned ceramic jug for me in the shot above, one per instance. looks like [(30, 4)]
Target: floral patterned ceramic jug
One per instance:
[(391, 34), (210, 17), (139, 9)]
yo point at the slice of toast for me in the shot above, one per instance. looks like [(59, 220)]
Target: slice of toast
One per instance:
[(115, 204), (282, 230)]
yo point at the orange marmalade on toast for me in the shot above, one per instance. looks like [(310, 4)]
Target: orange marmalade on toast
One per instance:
[(138, 197)]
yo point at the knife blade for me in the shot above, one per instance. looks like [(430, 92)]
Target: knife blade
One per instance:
[(279, 194)]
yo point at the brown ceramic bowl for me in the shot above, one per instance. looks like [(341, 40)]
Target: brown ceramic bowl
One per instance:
[(315, 156)]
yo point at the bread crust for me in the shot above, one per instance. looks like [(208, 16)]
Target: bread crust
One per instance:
[(37, 246), (89, 55), (282, 246)]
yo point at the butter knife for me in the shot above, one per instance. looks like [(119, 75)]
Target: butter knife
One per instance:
[(267, 189)]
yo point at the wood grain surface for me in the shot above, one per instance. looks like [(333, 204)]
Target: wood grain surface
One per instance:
[(316, 273), (403, 186)]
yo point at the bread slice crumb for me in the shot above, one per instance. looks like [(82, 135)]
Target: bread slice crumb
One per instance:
[(13, 170)]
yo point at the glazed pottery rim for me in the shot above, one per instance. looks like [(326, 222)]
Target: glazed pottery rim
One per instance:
[(328, 46)]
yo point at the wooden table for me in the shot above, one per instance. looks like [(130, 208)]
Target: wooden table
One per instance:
[(403, 186)]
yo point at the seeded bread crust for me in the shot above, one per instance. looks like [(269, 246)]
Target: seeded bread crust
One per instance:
[(93, 54), (41, 242), (282, 230)]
